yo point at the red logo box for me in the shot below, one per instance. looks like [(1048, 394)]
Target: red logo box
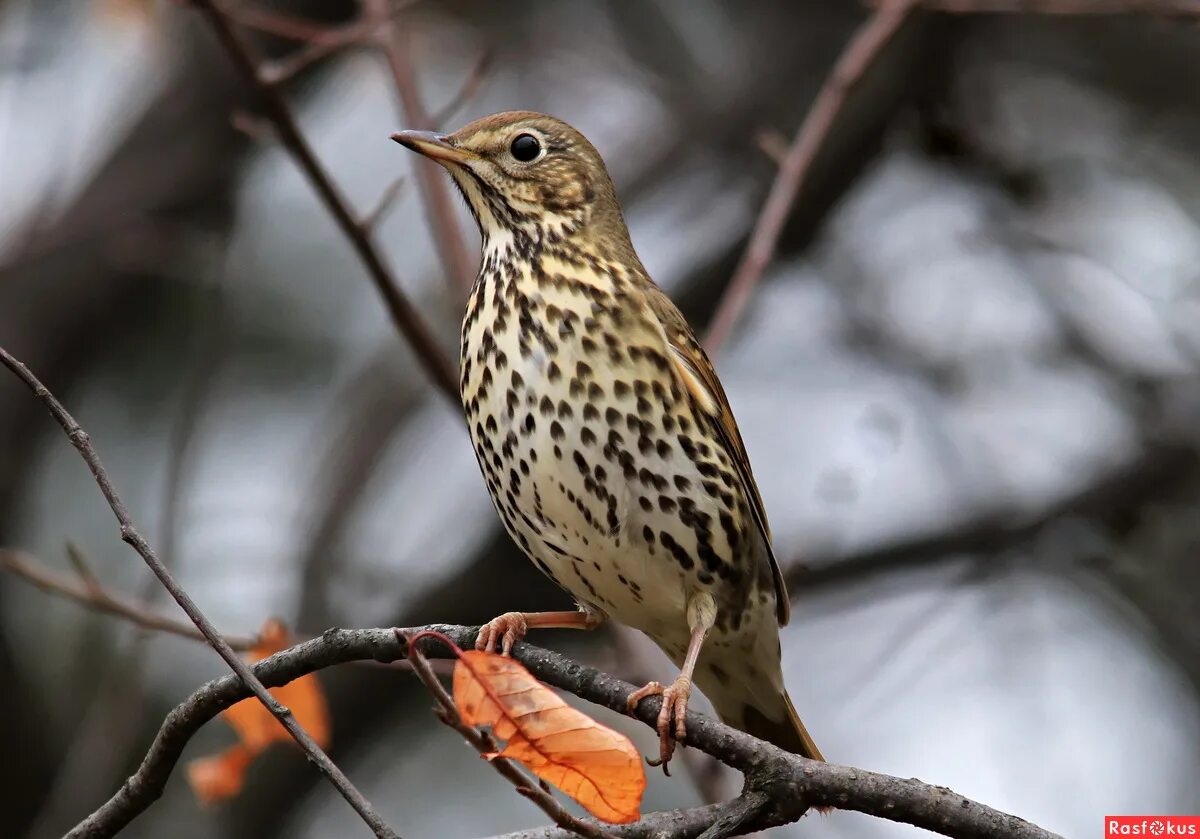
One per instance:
[(1115, 826)]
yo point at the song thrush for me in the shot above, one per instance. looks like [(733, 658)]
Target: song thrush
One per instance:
[(603, 433)]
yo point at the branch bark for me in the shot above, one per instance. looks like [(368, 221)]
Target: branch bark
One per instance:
[(791, 783), (95, 596), (410, 323), (866, 45), (130, 535), (457, 261)]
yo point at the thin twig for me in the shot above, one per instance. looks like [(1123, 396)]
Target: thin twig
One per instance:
[(94, 596), (866, 44), (470, 86), (525, 785), (130, 535), (83, 568), (457, 261), (283, 70), (405, 316), (282, 25), (792, 783), (384, 203)]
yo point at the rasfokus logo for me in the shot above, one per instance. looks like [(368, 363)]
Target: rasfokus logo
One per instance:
[(1151, 826)]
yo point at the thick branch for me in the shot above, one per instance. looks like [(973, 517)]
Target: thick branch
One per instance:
[(405, 316), (130, 534), (791, 783)]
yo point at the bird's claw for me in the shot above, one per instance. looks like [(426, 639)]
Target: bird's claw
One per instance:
[(674, 709), (509, 628)]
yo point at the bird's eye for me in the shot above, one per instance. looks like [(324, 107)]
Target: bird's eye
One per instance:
[(525, 147)]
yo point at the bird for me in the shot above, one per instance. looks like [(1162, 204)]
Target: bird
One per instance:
[(603, 433)]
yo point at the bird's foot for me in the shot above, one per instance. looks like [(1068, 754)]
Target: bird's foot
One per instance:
[(674, 710), (509, 628)]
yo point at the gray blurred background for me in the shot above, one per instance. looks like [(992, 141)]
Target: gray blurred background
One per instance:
[(968, 385)]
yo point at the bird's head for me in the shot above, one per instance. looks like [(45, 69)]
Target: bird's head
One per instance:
[(527, 177)]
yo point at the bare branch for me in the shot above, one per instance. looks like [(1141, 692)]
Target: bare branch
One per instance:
[(773, 144), (296, 62), (1127, 485), (864, 47), (384, 203), (93, 595), (457, 261), (410, 323), (470, 86), (282, 25), (529, 787), (791, 783), (130, 534), (83, 568)]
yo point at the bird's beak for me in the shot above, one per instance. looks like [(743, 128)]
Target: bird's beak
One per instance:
[(434, 146)]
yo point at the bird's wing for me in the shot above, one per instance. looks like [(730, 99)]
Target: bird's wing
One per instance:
[(696, 373)]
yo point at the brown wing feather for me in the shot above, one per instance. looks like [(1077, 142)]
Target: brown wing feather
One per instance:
[(700, 378)]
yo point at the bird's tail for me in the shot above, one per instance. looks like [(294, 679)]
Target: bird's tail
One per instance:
[(758, 705), (787, 732)]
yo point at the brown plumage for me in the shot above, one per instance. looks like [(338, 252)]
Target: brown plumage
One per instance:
[(603, 433)]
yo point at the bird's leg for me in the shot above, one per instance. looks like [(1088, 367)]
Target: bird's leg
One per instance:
[(701, 615), (511, 627)]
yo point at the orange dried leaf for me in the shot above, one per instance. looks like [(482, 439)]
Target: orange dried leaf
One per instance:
[(220, 776), (598, 767)]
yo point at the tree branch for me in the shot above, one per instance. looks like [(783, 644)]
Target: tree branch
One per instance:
[(94, 596), (791, 783), (859, 55), (457, 261), (1160, 467), (864, 47), (410, 323), (130, 535)]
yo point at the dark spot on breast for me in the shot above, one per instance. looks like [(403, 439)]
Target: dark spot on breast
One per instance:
[(677, 550)]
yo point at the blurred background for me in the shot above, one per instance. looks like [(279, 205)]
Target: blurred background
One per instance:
[(968, 384)]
